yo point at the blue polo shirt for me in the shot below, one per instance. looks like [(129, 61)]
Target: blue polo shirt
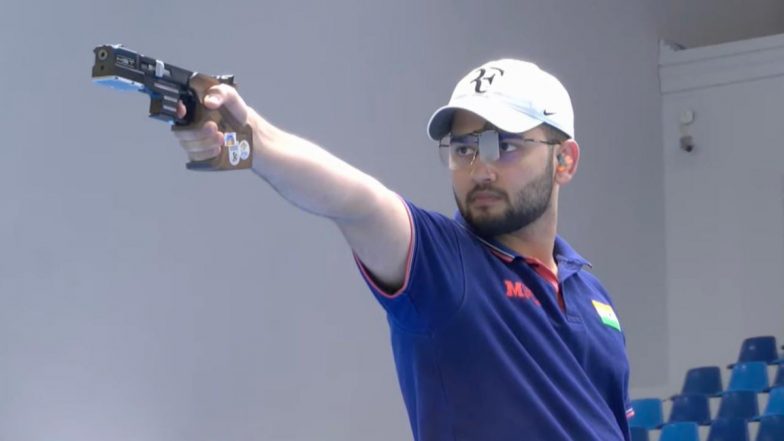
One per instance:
[(485, 351)]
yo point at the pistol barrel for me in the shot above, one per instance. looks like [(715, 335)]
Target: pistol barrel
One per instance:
[(121, 68)]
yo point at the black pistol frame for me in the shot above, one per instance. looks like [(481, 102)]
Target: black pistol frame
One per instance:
[(121, 68)]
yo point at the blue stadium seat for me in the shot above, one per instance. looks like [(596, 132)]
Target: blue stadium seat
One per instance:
[(694, 408), (639, 434), (685, 431), (775, 404), (647, 413), (729, 429), (739, 404), (752, 375), (771, 428), (704, 380), (761, 348), (778, 380)]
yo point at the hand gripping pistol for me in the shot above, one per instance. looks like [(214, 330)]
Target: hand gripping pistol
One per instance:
[(121, 68)]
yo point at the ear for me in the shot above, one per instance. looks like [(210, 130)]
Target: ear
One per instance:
[(567, 156)]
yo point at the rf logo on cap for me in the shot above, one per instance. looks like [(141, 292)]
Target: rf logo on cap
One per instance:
[(483, 76), (514, 96)]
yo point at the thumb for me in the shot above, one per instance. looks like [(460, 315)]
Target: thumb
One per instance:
[(226, 96)]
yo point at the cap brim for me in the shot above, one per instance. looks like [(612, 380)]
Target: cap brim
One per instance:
[(496, 113)]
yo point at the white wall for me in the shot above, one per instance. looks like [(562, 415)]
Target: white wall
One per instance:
[(695, 23), (126, 313), (724, 200)]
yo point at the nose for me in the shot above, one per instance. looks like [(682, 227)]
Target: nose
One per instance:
[(482, 171)]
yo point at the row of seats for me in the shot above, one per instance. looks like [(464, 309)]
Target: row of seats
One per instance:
[(759, 349), (771, 428), (739, 406), (752, 375)]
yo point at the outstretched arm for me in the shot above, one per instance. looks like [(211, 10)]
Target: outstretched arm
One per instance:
[(373, 219)]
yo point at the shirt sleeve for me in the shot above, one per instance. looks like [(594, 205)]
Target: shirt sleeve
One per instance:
[(433, 286)]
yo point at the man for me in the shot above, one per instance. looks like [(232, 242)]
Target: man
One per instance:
[(498, 331)]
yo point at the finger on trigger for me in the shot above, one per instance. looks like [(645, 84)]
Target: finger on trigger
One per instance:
[(181, 110)]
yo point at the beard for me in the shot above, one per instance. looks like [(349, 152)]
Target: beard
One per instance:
[(526, 206)]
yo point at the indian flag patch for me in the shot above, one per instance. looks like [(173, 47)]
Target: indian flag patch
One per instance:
[(607, 314)]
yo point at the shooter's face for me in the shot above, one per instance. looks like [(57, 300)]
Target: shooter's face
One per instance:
[(500, 198)]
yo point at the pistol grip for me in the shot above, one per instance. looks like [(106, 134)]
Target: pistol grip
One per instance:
[(237, 150)]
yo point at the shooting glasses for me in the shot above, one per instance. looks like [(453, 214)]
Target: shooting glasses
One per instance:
[(492, 146)]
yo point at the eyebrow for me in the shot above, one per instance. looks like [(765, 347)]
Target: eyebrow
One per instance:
[(461, 137), (512, 135), (484, 128)]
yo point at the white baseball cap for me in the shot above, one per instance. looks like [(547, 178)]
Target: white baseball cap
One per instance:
[(513, 95)]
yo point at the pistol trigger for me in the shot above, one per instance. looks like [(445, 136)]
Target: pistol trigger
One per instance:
[(156, 105)]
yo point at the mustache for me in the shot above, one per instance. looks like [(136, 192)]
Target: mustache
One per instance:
[(485, 189)]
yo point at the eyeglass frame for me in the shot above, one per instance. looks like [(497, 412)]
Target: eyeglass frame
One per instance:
[(478, 136)]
